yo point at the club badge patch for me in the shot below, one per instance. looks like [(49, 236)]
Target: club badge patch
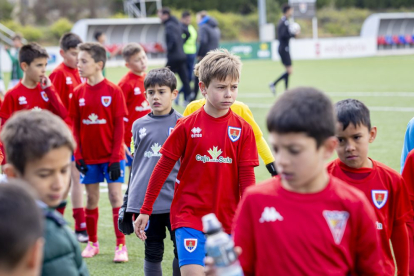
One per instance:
[(379, 197), (190, 244), (234, 133), (170, 130), (106, 100), (44, 96), (337, 223)]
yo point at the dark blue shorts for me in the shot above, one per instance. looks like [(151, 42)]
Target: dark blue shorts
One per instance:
[(190, 246), (98, 172), (129, 158)]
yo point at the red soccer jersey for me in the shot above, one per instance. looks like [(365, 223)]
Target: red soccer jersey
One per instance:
[(20, 98), (386, 191), (212, 151), (132, 86), (331, 232), (95, 108), (65, 80), (408, 174)]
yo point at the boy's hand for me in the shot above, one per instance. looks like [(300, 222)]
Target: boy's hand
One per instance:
[(125, 224), (210, 268), (140, 224), (127, 152), (81, 166), (114, 171), (45, 82)]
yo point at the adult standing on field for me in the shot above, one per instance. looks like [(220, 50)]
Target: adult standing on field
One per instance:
[(176, 58), (208, 39), (16, 73), (284, 35), (190, 45)]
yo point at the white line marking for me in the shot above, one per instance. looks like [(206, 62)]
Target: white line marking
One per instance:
[(337, 94), (371, 108)]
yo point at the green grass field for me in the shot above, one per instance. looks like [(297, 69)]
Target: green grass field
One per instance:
[(385, 84)]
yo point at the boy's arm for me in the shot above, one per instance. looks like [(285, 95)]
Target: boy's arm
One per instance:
[(400, 245), (246, 178), (248, 159), (57, 106), (7, 108), (118, 143), (57, 81)]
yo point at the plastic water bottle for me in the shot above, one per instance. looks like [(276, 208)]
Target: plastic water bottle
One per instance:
[(220, 247)]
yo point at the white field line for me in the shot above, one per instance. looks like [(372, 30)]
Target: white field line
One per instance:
[(336, 94), (371, 108)]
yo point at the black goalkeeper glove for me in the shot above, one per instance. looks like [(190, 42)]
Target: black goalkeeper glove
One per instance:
[(272, 169), (125, 223), (114, 171), (81, 166)]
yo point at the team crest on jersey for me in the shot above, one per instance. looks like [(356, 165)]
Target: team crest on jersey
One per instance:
[(379, 197), (170, 130), (137, 91), (106, 100), (44, 96), (190, 244), (234, 133), (337, 223), (68, 80)]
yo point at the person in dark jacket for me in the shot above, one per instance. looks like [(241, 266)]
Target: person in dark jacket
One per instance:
[(39, 147), (284, 35), (176, 58), (208, 39)]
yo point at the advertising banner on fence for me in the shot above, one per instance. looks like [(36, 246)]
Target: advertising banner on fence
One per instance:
[(249, 50)]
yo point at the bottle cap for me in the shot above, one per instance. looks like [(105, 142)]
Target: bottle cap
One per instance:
[(211, 224)]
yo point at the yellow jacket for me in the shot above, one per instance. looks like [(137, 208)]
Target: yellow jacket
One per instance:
[(243, 111)]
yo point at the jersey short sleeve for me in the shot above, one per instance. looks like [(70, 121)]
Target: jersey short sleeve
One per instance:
[(74, 104), (174, 146), (119, 103), (403, 210), (7, 107), (248, 151)]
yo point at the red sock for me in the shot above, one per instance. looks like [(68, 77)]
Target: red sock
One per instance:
[(61, 209), (120, 238), (92, 223), (79, 216)]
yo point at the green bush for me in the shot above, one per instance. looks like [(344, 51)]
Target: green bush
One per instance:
[(29, 32), (60, 27)]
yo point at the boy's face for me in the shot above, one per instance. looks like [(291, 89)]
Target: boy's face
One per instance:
[(353, 144), (160, 99), (220, 94), (36, 70), (102, 39), (137, 63), (17, 43), (87, 66), (70, 57), (298, 160), (49, 175)]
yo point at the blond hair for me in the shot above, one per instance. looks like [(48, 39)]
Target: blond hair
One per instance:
[(218, 64)]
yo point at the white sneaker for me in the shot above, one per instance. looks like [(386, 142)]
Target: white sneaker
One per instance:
[(272, 88)]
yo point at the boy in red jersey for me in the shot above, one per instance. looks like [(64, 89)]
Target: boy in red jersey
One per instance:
[(218, 156), (304, 221), (65, 78), (384, 188), (408, 176), (98, 109), (132, 84), (35, 90)]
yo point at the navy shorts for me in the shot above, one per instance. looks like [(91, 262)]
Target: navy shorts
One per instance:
[(190, 246), (129, 158), (98, 172)]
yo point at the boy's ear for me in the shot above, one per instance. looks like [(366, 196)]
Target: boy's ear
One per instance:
[(24, 66), (329, 145), (127, 65), (203, 88), (100, 64), (174, 94), (372, 134), (61, 52), (10, 171), (34, 256)]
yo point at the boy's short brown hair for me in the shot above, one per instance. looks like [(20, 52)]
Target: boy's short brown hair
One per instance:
[(218, 64), (69, 40), (96, 50), (22, 223), (162, 76), (29, 52), (29, 135), (131, 49)]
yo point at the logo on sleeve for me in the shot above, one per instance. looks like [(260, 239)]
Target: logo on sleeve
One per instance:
[(81, 102), (22, 100), (69, 80), (337, 223), (137, 91), (143, 107), (170, 130), (142, 132), (106, 100), (379, 197), (155, 151), (44, 96), (234, 133), (215, 157), (270, 214), (196, 132), (190, 244)]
